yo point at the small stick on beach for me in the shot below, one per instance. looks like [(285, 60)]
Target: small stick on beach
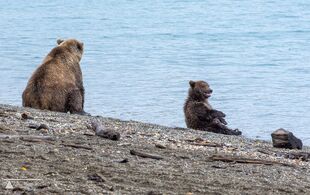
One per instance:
[(77, 146), (246, 160), (145, 155), (27, 137), (202, 142)]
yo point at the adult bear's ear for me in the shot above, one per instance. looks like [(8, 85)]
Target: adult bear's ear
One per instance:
[(192, 84), (59, 41), (80, 46)]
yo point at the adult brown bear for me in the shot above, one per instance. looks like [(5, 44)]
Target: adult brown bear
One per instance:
[(200, 115), (57, 84)]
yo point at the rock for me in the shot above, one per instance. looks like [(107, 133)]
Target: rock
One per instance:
[(96, 177), (108, 134), (282, 138), (33, 126), (38, 127), (124, 161), (105, 133), (42, 126), (157, 145), (26, 116)]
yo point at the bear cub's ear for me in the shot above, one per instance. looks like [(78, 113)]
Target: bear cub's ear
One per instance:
[(192, 84), (59, 41)]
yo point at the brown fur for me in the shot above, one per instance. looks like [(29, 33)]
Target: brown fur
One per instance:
[(200, 115), (57, 84)]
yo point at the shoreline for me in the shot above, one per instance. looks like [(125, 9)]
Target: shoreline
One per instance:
[(258, 138), (75, 160)]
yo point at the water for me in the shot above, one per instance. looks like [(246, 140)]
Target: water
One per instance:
[(140, 55)]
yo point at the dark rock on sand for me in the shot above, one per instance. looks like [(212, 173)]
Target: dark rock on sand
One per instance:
[(105, 133), (282, 138)]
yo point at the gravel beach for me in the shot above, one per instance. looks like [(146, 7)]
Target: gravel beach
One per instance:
[(43, 152)]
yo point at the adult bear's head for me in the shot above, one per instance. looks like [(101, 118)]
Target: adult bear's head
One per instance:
[(74, 46)]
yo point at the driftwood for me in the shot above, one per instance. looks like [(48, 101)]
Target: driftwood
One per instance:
[(157, 145), (105, 133), (282, 138), (202, 142), (265, 151), (34, 138), (303, 156), (38, 127), (208, 144), (77, 146), (27, 139), (237, 159), (145, 155)]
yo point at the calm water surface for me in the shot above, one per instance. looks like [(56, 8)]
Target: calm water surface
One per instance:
[(140, 55)]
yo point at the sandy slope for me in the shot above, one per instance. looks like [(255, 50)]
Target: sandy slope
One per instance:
[(75, 161)]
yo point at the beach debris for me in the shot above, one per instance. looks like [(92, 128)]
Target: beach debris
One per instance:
[(264, 151), (89, 134), (33, 138), (33, 126), (172, 140), (125, 160), (77, 146), (26, 116), (157, 145), (182, 157), (38, 127), (238, 159), (42, 186), (282, 138), (96, 177), (201, 142), (147, 134), (145, 155), (303, 156), (42, 126), (23, 168), (154, 193), (218, 167), (105, 133)]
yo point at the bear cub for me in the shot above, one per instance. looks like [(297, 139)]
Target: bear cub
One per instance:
[(57, 84), (200, 115)]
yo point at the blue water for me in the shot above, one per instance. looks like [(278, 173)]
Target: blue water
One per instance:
[(140, 55)]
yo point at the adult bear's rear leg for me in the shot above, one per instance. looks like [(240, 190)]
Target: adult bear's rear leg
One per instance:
[(75, 103)]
